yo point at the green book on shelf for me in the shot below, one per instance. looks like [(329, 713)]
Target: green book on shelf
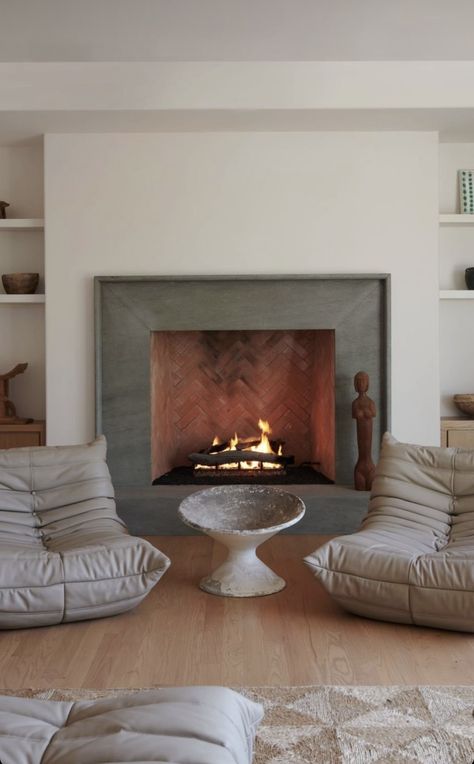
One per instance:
[(466, 191)]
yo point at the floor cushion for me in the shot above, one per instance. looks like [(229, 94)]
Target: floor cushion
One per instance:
[(65, 555), (412, 561), (183, 725)]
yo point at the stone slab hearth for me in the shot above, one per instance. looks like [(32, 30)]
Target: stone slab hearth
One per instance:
[(330, 509), (129, 309)]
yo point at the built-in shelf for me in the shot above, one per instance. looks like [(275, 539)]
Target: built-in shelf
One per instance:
[(456, 294), (22, 298), (456, 219), (22, 224)]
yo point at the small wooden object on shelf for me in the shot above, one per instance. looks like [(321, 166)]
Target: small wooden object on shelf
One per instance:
[(457, 432), (3, 209), (21, 435), (7, 407)]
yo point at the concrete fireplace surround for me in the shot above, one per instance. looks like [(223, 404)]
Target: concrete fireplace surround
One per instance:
[(129, 308)]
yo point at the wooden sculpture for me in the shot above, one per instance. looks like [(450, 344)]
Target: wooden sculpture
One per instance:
[(7, 408), (3, 209), (363, 411)]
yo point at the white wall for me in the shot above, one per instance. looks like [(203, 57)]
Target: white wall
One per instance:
[(456, 254), (22, 326), (248, 203)]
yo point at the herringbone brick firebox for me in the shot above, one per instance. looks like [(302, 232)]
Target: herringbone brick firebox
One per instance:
[(215, 383)]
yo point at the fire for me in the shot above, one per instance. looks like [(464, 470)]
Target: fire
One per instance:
[(263, 446)]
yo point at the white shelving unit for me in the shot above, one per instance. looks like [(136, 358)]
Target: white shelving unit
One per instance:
[(456, 302), (21, 298), (22, 224), (456, 219), (22, 316), (456, 294), (453, 219)]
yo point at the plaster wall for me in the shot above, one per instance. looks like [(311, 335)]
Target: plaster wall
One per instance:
[(244, 203)]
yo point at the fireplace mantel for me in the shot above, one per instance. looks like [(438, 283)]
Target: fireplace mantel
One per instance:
[(128, 308)]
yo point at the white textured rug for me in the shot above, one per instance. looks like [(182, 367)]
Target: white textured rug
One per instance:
[(349, 725)]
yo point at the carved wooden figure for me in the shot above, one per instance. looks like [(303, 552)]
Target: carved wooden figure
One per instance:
[(363, 411), (7, 408)]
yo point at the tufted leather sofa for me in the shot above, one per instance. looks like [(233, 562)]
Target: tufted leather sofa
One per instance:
[(65, 555), (412, 561)]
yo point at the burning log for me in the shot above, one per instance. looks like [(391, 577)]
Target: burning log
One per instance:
[(243, 454), (235, 456), (216, 448), (242, 445)]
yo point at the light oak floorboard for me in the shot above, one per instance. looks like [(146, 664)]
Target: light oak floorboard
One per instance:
[(181, 635)]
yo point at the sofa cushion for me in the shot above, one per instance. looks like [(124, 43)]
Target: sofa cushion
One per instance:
[(412, 561), (184, 725), (64, 553)]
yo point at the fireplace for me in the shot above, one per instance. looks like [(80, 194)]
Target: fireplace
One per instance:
[(142, 321), (243, 406)]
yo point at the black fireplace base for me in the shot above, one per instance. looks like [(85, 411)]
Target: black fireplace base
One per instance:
[(302, 475)]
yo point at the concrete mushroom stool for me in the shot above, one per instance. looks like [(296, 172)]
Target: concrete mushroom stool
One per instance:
[(241, 517)]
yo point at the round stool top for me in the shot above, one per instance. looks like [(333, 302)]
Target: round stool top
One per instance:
[(241, 509)]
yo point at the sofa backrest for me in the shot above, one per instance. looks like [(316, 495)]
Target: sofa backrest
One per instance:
[(427, 488), (55, 483)]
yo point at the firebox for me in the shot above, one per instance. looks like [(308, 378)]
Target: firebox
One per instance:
[(243, 406)]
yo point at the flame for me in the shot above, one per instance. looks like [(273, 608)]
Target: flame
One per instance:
[(263, 446)]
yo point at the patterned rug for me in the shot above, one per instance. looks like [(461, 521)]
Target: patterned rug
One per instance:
[(348, 725)]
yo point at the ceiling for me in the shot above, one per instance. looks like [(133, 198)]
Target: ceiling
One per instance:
[(235, 30)]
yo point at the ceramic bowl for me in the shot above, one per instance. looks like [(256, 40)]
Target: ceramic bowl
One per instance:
[(20, 283), (469, 277), (465, 403)]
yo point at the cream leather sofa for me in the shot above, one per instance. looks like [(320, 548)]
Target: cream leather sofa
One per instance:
[(65, 555), (183, 725), (412, 561)]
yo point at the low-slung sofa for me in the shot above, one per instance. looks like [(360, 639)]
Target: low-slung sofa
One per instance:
[(412, 561), (65, 555), (183, 725)]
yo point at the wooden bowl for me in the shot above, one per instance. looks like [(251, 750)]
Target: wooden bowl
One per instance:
[(20, 283), (465, 403)]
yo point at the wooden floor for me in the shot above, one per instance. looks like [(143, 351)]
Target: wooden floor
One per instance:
[(180, 635)]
